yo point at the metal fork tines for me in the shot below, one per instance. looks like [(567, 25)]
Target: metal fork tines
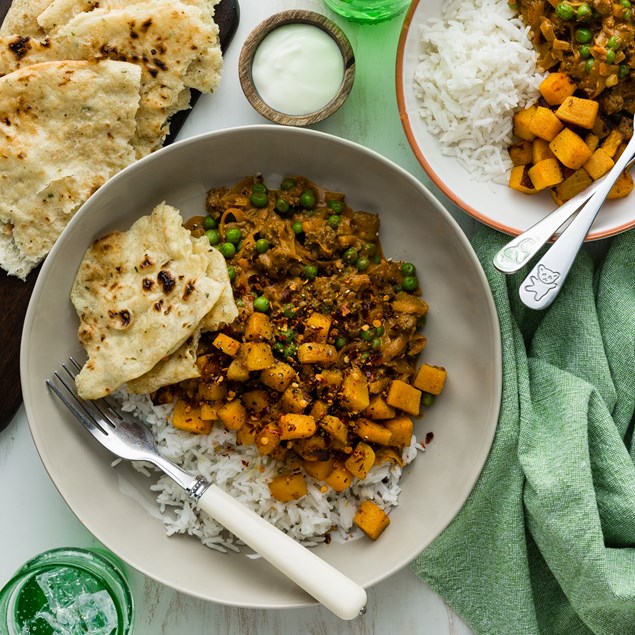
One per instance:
[(119, 433)]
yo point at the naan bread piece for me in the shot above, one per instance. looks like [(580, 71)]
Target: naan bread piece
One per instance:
[(65, 129), (140, 295), (60, 12), (181, 365), (22, 18), (175, 44)]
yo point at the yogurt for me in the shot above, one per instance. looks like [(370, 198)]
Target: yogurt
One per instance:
[(297, 69)]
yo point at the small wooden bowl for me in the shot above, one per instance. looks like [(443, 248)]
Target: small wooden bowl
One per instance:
[(251, 45)]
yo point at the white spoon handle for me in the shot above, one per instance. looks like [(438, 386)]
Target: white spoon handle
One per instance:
[(318, 578)]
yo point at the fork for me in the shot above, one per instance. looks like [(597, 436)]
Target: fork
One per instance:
[(132, 440)]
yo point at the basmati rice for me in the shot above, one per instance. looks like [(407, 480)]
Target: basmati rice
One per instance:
[(242, 472), (477, 68)]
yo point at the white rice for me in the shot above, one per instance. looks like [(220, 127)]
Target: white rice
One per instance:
[(244, 473), (477, 68)]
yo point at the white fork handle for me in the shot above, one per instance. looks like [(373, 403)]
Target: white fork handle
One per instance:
[(324, 582)]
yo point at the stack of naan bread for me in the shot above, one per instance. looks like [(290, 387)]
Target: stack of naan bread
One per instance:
[(86, 88), (143, 298)]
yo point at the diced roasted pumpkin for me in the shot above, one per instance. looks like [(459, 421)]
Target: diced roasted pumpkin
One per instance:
[(318, 326), (556, 87), (319, 409), (622, 187), (331, 377), (570, 149), (592, 140), (258, 327), (258, 356), (226, 344), (316, 353), (238, 370), (209, 412), (430, 379), (361, 459), (540, 151), (578, 112), (545, 124), (354, 396), (311, 448), (521, 153), (278, 377), (255, 400), (288, 487), (335, 427), (232, 414), (188, 417), (372, 432), (212, 391), (339, 478), (246, 435), (519, 180), (371, 519), (404, 396), (573, 185), (612, 142), (294, 400), (268, 439), (545, 174), (522, 119), (378, 409), (598, 164), (318, 469), (400, 430), (296, 426)]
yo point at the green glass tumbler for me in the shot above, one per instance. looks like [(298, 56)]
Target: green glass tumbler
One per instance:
[(67, 591), (367, 11)]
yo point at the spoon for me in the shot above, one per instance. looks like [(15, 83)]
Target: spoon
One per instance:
[(540, 288), (520, 250)]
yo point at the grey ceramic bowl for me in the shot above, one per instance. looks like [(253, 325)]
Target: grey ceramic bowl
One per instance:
[(462, 332)]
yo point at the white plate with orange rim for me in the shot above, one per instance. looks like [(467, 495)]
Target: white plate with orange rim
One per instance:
[(493, 204)]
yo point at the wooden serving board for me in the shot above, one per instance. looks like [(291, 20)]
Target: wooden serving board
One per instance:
[(15, 293)]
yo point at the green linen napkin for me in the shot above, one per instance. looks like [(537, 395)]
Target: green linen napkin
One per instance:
[(546, 541)]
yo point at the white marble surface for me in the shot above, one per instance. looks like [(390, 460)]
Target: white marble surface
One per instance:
[(34, 517)]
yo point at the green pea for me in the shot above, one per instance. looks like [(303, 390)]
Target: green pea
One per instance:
[(615, 41), (627, 14), (610, 56), (625, 3), (427, 399), (259, 199), (367, 335), (421, 322), (369, 249), (231, 271), (307, 199), (583, 12), (233, 235), (588, 65), (288, 311), (210, 223), (362, 264), (340, 342), (334, 221), (583, 36), (407, 269), (288, 184), (262, 245), (350, 256), (278, 347), (261, 304), (213, 236), (228, 250), (380, 331), (623, 71), (564, 11), (585, 51), (296, 227), (310, 272), (259, 187), (375, 344), (364, 356), (336, 206), (410, 283), (282, 206)]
